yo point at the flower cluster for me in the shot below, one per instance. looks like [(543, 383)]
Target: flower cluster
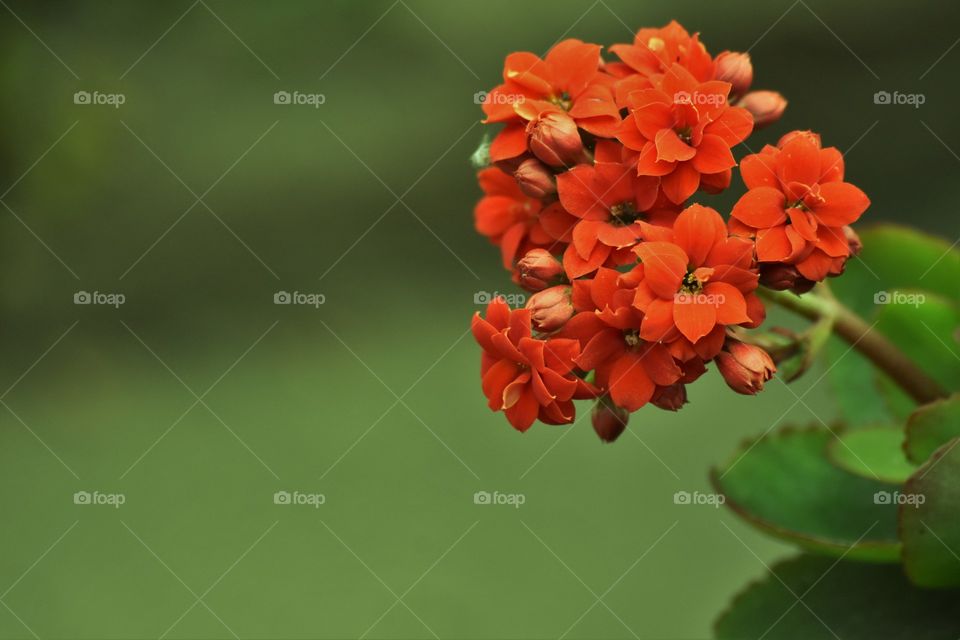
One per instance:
[(635, 288)]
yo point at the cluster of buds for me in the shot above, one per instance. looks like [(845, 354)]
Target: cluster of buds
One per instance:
[(636, 290)]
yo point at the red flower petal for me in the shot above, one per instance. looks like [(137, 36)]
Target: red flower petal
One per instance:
[(696, 230), (713, 155), (665, 265), (773, 245), (575, 266), (523, 411), (761, 208), (670, 148), (799, 161), (694, 318), (577, 193), (659, 364), (680, 185), (573, 64), (731, 305), (495, 381), (733, 125), (658, 325), (844, 204), (630, 385), (758, 170), (509, 143)]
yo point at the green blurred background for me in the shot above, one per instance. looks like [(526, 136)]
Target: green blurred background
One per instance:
[(304, 399)]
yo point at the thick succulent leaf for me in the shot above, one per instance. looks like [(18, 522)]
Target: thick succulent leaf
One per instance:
[(926, 330), (875, 452), (849, 600), (929, 525), (931, 426), (784, 484), (896, 261)]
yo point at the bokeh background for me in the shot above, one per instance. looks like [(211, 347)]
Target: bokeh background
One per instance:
[(199, 398)]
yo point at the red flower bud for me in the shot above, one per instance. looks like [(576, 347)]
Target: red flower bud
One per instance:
[(853, 240), (550, 309), (781, 277), (671, 397), (535, 179), (555, 140), (609, 420), (538, 269), (745, 367), (765, 106), (735, 67)]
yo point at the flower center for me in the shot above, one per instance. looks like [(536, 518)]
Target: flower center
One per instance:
[(691, 284), (632, 338), (685, 134), (563, 101), (624, 213)]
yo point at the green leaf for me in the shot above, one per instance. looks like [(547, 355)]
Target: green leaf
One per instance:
[(925, 332), (929, 527), (784, 485), (897, 260), (876, 453), (931, 426), (480, 158), (853, 379), (849, 600)]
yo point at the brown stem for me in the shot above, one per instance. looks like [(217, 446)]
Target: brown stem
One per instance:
[(874, 345)]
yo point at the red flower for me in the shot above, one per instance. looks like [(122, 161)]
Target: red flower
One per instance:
[(525, 377), (567, 79), (629, 368), (698, 283), (798, 204), (516, 222), (654, 51), (612, 203), (682, 130)]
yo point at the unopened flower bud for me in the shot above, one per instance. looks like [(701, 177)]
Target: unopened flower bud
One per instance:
[(745, 367), (550, 309), (735, 67), (608, 419), (853, 240), (781, 277), (538, 269), (671, 397), (555, 140), (765, 106), (535, 179)]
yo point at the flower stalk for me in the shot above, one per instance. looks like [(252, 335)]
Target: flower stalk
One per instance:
[(855, 331)]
